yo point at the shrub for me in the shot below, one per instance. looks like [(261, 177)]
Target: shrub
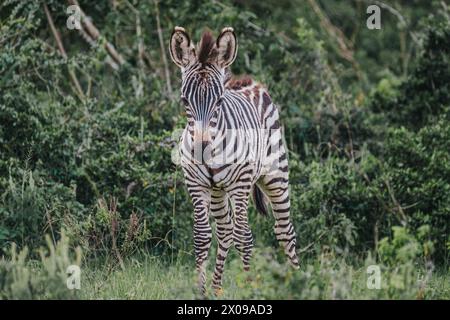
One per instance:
[(107, 233), (31, 206), (21, 278), (419, 171), (426, 92)]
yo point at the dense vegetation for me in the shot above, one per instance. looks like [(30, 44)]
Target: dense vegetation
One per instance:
[(86, 137)]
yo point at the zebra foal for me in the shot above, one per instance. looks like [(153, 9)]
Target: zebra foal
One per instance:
[(230, 149)]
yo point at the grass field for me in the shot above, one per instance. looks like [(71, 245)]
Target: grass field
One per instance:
[(151, 278), (328, 275)]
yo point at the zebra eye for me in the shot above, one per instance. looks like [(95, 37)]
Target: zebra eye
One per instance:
[(185, 101), (219, 101)]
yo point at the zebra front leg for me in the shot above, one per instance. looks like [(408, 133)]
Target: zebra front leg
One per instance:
[(221, 211), (202, 236), (242, 234)]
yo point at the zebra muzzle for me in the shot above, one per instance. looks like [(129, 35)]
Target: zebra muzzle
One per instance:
[(201, 134), (202, 143)]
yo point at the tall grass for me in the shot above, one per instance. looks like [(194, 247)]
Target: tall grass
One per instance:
[(328, 277)]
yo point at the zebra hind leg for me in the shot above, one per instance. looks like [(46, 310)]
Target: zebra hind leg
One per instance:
[(242, 234), (221, 211), (276, 188)]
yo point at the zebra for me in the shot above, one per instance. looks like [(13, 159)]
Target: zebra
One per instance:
[(228, 115)]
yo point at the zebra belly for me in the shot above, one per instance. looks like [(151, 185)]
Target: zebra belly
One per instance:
[(231, 176)]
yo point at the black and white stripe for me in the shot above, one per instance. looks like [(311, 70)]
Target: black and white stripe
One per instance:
[(231, 147), (230, 123)]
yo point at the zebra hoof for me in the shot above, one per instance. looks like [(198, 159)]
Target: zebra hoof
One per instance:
[(218, 292), (295, 264)]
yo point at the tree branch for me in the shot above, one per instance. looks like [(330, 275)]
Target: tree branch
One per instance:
[(92, 35), (62, 51), (163, 50), (345, 45)]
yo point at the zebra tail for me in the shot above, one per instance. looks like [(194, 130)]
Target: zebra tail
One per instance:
[(259, 200)]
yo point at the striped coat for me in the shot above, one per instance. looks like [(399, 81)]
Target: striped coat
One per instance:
[(231, 149)]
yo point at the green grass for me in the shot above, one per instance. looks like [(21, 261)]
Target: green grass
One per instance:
[(144, 278), (152, 278), (327, 275)]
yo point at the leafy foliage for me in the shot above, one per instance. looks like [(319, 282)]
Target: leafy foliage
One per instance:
[(46, 280)]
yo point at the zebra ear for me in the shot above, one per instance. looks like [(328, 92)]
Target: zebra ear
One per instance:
[(181, 49), (227, 47)]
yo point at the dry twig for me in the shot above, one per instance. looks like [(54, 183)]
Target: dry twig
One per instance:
[(91, 34), (345, 45), (62, 51), (163, 50)]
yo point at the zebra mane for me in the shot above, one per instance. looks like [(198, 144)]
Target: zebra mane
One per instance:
[(237, 83), (206, 51)]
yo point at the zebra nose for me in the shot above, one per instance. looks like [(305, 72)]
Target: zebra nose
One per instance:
[(202, 150), (201, 135)]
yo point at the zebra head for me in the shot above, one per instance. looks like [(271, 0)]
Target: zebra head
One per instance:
[(204, 71)]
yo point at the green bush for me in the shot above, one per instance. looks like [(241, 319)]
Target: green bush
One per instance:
[(22, 278), (405, 247), (419, 171), (32, 206), (426, 92), (106, 233)]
